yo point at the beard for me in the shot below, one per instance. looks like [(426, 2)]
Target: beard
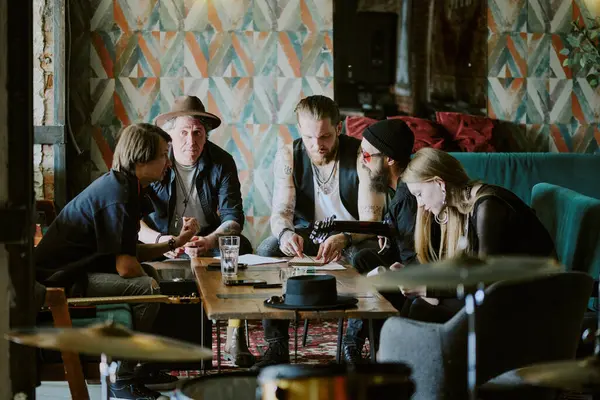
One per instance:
[(324, 159), (380, 179)]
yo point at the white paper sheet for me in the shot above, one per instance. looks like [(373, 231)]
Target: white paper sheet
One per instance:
[(332, 266)]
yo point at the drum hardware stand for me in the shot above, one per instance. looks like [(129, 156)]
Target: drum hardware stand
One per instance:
[(202, 366), (340, 333), (108, 374), (218, 325), (371, 340), (472, 300), (247, 332)]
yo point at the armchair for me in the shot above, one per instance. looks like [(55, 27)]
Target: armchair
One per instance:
[(518, 324)]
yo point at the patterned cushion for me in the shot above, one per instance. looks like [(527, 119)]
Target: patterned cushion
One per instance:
[(471, 133), (427, 133), (356, 125)]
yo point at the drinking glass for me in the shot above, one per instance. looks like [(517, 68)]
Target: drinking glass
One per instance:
[(230, 252)]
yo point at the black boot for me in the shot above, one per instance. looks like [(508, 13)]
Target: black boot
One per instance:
[(352, 351), (278, 352)]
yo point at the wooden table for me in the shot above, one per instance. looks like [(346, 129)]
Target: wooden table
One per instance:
[(222, 302)]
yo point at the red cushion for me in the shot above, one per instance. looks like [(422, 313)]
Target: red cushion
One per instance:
[(356, 125), (427, 133), (470, 132)]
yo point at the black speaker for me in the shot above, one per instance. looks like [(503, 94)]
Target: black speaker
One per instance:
[(182, 322), (365, 47)]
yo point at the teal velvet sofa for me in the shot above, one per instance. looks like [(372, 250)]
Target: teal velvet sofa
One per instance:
[(520, 172)]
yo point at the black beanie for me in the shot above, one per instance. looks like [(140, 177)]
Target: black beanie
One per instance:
[(392, 137)]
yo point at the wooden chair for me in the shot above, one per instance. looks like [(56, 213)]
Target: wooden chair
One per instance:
[(73, 371), (56, 301)]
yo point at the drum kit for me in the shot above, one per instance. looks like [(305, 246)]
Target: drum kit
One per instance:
[(467, 275)]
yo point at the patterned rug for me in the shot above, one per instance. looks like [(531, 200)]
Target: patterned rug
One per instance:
[(320, 344)]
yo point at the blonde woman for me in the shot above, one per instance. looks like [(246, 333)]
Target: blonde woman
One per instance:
[(457, 214)]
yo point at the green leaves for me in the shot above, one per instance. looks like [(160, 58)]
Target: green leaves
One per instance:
[(574, 40), (583, 49), (593, 80)]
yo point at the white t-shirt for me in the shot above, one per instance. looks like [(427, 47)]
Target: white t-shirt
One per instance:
[(330, 204)]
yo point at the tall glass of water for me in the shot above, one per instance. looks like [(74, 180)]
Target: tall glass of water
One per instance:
[(230, 252)]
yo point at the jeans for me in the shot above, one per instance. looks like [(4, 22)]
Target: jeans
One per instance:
[(144, 314), (365, 261), (278, 329)]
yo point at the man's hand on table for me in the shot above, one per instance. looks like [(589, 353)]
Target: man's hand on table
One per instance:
[(188, 230), (199, 245), (331, 249), (291, 244)]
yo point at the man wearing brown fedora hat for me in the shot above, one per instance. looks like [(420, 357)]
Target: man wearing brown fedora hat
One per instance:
[(202, 183)]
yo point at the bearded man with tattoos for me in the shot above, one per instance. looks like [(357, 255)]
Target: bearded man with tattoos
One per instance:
[(319, 175)]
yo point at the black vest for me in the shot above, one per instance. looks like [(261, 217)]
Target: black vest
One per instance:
[(304, 213)]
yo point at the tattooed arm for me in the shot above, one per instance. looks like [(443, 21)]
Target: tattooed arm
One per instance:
[(370, 203), (284, 192), (227, 228)]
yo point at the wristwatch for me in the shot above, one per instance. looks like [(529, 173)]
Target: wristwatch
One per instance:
[(172, 244)]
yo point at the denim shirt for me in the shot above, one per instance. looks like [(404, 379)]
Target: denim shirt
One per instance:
[(218, 188)]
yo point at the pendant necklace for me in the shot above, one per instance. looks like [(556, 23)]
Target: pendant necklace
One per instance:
[(186, 197)]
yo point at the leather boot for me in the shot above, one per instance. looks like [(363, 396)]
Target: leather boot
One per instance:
[(236, 348), (278, 352), (352, 351)]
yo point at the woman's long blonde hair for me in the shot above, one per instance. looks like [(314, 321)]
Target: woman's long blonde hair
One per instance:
[(429, 164)]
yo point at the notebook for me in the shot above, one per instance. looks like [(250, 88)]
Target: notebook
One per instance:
[(305, 261)]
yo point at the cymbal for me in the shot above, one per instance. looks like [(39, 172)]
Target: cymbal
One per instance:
[(467, 271), (111, 339), (569, 375)]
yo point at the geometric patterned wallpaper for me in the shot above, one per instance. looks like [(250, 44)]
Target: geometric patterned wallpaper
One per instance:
[(249, 61), (552, 105)]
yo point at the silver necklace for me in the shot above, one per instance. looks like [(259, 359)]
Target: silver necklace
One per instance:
[(325, 186)]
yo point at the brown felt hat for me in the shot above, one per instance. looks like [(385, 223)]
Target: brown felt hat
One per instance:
[(189, 106)]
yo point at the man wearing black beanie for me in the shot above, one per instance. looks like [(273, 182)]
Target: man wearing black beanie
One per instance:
[(386, 149)]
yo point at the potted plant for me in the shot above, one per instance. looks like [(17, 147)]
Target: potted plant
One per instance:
[(584, 50)]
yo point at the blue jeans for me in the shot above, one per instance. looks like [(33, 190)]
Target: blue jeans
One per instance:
[(144, 314), (357, 331)]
